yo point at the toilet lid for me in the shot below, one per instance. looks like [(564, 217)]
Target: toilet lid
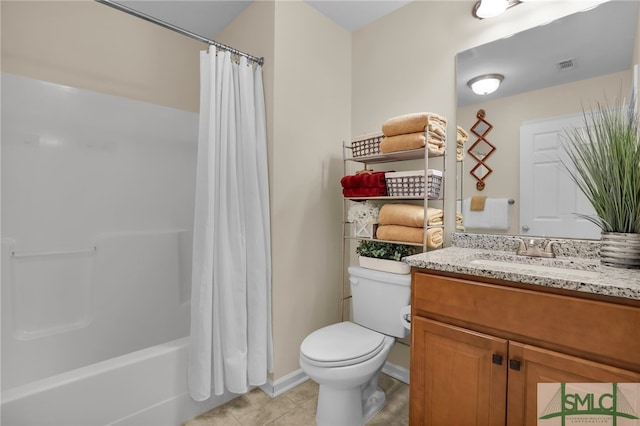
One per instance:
[(341, 344)]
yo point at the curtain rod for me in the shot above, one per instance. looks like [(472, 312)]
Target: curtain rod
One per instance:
[(179, 30)]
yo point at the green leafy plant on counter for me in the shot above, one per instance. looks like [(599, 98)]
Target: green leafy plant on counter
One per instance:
[(384, 250), (604, 161)]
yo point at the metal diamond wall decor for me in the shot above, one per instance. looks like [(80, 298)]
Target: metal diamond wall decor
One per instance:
[(481, 150)]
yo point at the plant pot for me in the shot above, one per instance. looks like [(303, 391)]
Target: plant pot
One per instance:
[(620, 250), (384, 265)]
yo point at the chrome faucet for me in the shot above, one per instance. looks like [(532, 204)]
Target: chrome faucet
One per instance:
[(534, 249)]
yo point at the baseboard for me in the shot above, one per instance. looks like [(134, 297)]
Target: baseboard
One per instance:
[(396, 371), (283, 384)]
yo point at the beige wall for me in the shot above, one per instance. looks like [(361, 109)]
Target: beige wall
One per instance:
[(91, 46), (636, 44), (635, 60), (311, 119), (308, 95)]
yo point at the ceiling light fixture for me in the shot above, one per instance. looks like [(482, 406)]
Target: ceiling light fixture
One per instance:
[(489, 8), (485, 84)]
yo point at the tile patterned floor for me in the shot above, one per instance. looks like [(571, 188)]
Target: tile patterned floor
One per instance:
[(297, 407)]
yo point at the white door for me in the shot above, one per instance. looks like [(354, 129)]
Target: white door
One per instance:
[(548, 197)]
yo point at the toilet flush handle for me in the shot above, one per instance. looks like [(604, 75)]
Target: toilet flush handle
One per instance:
[(354, 281)]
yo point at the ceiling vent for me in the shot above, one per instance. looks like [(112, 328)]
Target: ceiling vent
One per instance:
[(566, 65)]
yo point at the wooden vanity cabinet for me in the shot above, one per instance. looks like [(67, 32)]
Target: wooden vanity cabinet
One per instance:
[(478, 350)]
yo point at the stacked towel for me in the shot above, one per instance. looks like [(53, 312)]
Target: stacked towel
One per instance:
[(409, 215), (414, 131), (364, 185), (459, 224), (416, 122), (410, 234), (405, 222), (461, 138)]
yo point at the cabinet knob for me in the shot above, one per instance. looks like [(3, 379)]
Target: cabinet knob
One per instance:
[(496, 359), (514, 364)]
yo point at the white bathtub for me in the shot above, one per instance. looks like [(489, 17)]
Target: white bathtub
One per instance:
[(100, 359), (95, 257), (147, 387)]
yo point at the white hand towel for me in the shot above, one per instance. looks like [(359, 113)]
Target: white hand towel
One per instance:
[(494, 216)]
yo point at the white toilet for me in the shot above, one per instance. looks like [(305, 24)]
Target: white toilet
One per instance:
[(346, 358)]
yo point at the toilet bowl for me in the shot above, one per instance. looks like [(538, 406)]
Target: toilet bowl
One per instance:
[(345, 359)]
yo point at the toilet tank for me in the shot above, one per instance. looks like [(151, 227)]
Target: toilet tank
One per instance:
[(377, 297)]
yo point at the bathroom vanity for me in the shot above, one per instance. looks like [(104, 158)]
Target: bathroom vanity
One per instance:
[(488, 326)]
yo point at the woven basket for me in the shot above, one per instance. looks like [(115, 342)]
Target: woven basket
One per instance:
[(366, 145), (412, 183)]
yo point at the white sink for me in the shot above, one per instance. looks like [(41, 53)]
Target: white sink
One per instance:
[(525, 267)]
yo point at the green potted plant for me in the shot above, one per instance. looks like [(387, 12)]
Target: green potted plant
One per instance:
[(384, 256), (603, 159)]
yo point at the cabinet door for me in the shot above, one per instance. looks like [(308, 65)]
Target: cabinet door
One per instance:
[(458, 376), (535, 365)]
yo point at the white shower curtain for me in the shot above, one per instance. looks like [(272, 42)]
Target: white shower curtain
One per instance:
[(230, 342)]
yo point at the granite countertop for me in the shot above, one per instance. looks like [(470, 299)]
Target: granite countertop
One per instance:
[(576, 265)]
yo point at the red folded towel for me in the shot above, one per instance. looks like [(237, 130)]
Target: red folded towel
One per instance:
[(364, 185), (364, 192), (367, 180)]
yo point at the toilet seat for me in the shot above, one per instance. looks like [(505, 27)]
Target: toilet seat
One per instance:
[(341, 344)]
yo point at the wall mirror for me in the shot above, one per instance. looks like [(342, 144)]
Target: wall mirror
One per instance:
[(553, 70)]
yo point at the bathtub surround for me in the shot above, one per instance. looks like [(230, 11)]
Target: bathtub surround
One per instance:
[(231, 346), (95, 277), (143, 388)]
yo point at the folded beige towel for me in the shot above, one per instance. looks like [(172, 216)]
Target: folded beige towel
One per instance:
[(459, 154), (410, 234), (411, 141), (416, 122), (402, 142), (477, 203), (409, 215), (435, 150), (461, 135), (459, 225), (434, 216), (407, 234), (434, 237)]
